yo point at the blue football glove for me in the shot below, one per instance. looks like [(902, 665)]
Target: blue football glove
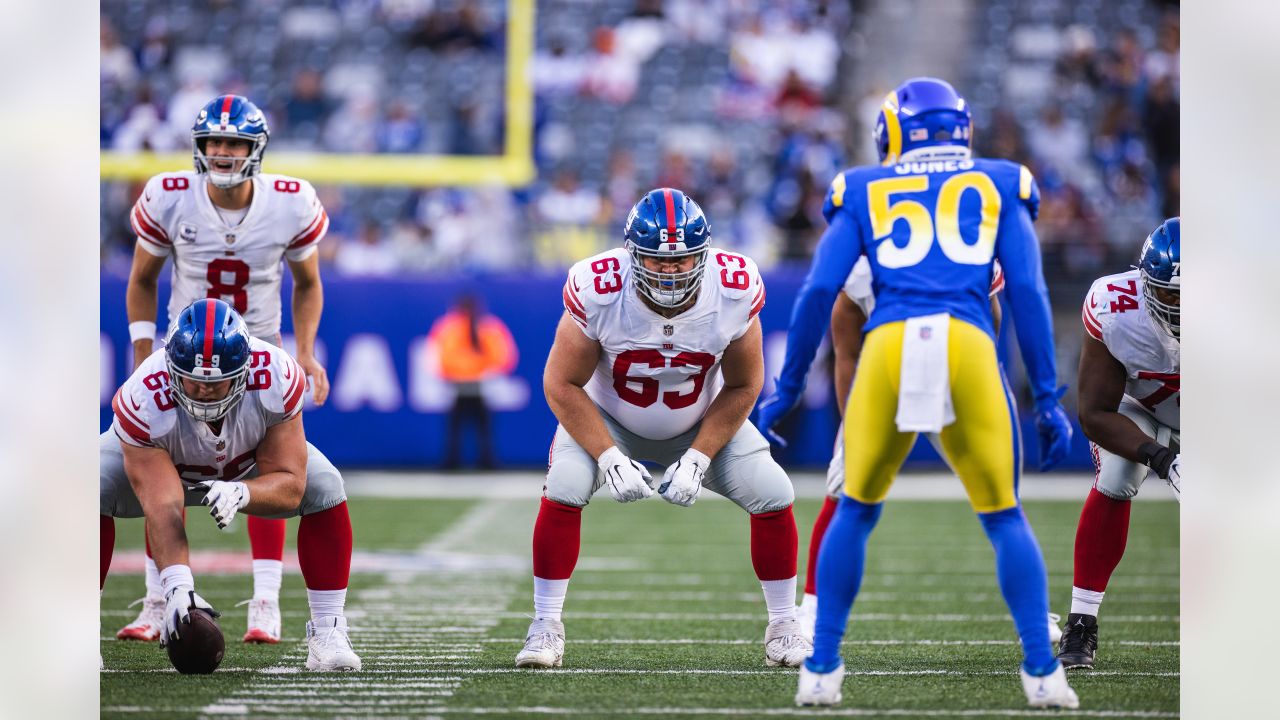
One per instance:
[(1055, 431), (772, 410)]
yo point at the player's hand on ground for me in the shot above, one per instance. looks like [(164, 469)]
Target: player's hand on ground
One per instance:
[(225, 499), (177, 611), (627, 479), (683, 480), (771, 411), (1055, 431), (317, 379)]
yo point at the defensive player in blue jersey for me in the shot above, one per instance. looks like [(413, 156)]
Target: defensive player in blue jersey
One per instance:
[(931, 220)]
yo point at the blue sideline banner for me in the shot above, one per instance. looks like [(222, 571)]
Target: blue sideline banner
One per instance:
[(388, 408)]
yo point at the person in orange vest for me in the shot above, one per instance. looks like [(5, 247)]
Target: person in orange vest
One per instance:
[(469, 346)]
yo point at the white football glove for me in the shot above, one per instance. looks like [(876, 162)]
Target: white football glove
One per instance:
[(627, 479), (177, 611), (225, 499), (683, 481), (1175, 476)]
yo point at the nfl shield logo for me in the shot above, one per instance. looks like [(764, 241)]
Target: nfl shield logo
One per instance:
[(230, 238), (668, 330)]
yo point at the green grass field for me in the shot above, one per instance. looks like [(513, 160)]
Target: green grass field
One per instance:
[(664, 617)]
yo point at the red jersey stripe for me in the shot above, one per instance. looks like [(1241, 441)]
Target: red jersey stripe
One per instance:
[(571, 297), (314, 232), (141, 442), (133, 416), (151, 221), (293, 400), (576, 312), (133, 430), (147, 232), (1091, 324)]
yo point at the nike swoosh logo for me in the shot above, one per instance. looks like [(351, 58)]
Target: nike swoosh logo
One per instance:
[(575, 285), (1093, 301), (135, 405), (287, 373), (147, 196)]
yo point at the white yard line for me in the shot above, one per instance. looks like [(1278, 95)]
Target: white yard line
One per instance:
[(277, 711), (808, 486), (444, 597)]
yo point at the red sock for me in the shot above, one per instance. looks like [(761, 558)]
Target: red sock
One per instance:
[(557, 537), (815, 544), (266, 538), (774, 543), (1100, 540), (324, 548), (106, 545)]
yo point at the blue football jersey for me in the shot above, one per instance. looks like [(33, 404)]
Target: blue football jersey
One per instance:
[(931, 231)]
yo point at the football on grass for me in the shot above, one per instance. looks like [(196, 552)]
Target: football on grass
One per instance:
[(199, 650)]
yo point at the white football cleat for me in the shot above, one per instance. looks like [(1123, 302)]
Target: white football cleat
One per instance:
[(820, 688), (807, 615), (147, 627), (328, 647), (1050, 691), (784, 644), (543, 645), (1055, 630), (264, 621)]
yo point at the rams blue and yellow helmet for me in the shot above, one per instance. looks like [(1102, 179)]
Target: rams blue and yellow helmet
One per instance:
[(922, 112)]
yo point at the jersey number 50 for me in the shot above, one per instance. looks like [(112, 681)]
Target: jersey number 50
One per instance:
[(945, 221)]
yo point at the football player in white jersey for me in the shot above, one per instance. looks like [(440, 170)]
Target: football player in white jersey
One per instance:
[(214, 418), (227, 226), (658, 358), (1129, 387)]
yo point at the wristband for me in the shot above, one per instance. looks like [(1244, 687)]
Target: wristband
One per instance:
[(142, 330), (1157, 457), (176, 576)]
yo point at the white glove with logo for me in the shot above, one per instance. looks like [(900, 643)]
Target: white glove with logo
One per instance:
[(177, 611), (225, 499), (683, 481), (1175, 476), (627, 479)]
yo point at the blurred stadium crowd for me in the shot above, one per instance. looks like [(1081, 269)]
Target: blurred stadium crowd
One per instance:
[(745, 104)]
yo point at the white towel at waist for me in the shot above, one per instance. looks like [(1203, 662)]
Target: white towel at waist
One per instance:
[(924, 387)]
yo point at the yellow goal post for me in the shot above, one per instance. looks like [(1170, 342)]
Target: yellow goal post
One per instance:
[(512, 168)]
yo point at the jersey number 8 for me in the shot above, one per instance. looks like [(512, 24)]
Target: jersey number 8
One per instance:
[(946, 216)]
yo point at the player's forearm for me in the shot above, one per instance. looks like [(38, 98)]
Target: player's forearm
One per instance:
[(167, 533), (275, 492), (579, 416), (845, 366), (141, 299), (308, 304), (724, 418), (1114, 433)]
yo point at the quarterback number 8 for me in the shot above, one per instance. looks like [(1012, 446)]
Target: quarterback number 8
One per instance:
[(945, 220)]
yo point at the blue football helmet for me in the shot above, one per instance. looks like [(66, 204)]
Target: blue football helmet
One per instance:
[(923, 112), (235, 117), (1161, 266), (209, 343), (669, 225)]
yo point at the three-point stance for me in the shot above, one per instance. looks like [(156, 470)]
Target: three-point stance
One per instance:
[(1129, 408), (931, 221), (658, 358), (215, 418), (228, 226)]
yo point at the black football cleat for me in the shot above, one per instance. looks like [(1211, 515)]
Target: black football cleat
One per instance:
[(1079, 641)]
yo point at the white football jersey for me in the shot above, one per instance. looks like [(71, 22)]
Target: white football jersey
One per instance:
[(657, 376), (858, 285), (240, 264), (147, 416), (1115, 313)]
